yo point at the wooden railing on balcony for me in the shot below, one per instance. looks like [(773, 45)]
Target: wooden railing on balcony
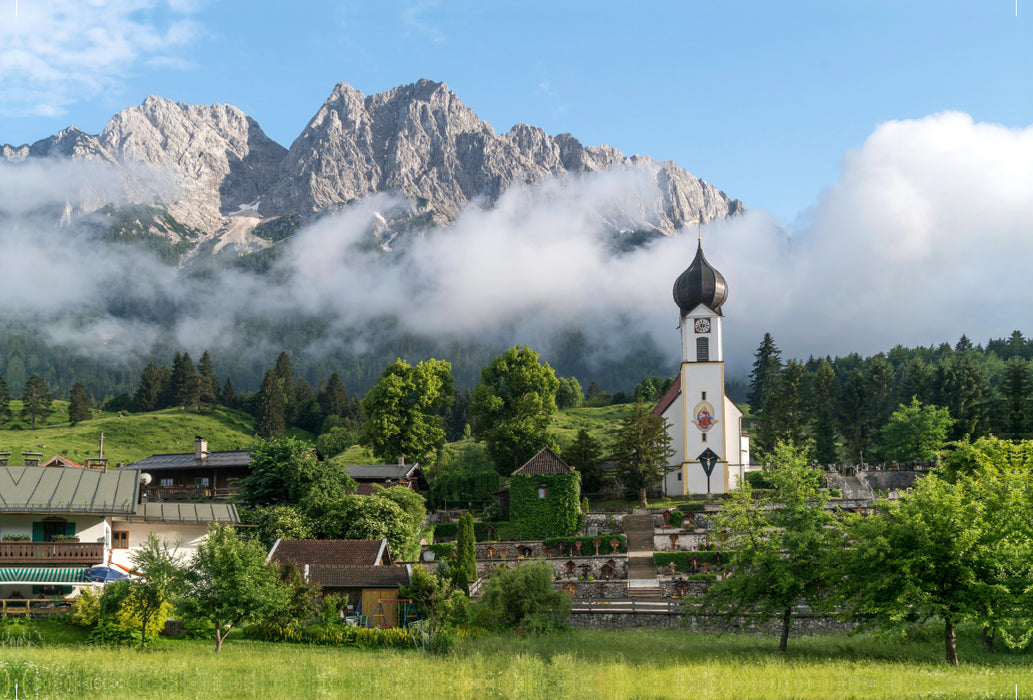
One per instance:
[(84, 553), (190, 493), (33, 607)]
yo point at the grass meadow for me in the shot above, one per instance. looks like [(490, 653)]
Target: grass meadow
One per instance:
[(577, 664)]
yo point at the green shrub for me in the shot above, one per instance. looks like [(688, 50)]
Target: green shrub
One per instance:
[(466, 554), (198, 628), (693, 507), (445, 531), (86, 608), (522, 597), (334, 635)]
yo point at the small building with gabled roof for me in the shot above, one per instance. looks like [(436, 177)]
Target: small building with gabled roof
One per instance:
[(545, 497), (360, 570)]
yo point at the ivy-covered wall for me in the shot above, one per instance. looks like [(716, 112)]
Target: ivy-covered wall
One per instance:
[(556, 515)]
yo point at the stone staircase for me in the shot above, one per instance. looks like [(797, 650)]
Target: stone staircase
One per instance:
[(642, 579)]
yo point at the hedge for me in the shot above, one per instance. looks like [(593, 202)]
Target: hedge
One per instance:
[(442, 551), (692, 507), (363, 637), (683, 560), (587, 547), (482, 532)]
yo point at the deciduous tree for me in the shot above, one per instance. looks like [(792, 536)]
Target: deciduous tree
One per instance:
[(159, 579), (779, 544), (916, 432), (229, 582), (404, 411), (512, 407)]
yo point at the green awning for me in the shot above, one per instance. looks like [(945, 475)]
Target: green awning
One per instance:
[(60, 575)]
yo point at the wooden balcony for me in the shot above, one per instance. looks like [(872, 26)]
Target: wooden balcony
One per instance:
[(80, 553), (190, 493)]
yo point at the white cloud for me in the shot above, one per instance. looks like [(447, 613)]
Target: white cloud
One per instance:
[(925, 236), (59, 52)]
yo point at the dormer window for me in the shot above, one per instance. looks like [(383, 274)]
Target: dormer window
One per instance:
[(542, 492)]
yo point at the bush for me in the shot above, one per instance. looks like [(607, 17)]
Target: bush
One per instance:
[(334, 635), (86, 608), (695, 507), (758, 480), (523, 597)]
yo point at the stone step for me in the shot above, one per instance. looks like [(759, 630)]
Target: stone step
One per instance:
[(653, 592)]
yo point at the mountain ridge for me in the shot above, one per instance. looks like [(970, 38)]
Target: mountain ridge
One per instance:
[(224, 175)]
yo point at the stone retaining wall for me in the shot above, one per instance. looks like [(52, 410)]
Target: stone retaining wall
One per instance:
[(802, 623), (583, 566), (593, 590), (686, 540)]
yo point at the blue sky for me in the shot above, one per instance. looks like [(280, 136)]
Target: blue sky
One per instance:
[(761, 99), (892, 140)]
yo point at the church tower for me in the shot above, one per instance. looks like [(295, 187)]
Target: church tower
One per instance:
[(703, 423)]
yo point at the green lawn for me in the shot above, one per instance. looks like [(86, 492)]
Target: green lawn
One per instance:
[(580, 664), (129, 437), (601, 423)]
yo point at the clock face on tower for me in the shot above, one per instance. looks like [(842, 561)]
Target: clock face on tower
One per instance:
[(702, 325)]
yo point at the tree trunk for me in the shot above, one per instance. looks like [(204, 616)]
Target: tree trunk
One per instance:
[(642, 498), (143, 631), (950, 642), (219, 638), (787, 621), (989, 638)]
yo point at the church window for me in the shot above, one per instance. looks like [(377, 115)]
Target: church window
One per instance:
[(703, 395), (704, 436), (702, 349)]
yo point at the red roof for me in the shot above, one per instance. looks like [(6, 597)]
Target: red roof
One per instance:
[(545, 462), (331, 552), (668, 398)]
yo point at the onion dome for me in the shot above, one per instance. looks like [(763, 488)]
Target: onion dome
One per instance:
[(700, 284)]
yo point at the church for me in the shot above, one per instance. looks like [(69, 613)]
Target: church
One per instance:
[(711, 451)]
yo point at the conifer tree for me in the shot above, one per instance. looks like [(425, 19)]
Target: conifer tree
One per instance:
[(466, 553), (78, 404), (270, 419), (586, 455), (5, 402), (36, 400), (152, 390), (208, 386), (823, 413), (184, 381), (642, 448), (767, 364), (333, 398), (229, 394)]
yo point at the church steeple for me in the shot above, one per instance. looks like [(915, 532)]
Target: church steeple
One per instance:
[(700, 284)]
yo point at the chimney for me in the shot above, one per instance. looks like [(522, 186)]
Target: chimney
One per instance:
[(401, 460), (200, 448)]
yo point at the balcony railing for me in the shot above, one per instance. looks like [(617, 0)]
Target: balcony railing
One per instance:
[(190, 493), (85, 553)]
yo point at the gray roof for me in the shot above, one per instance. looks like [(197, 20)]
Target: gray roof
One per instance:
[(202, 513), (63, 490), (381, 471), (187, 460)]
